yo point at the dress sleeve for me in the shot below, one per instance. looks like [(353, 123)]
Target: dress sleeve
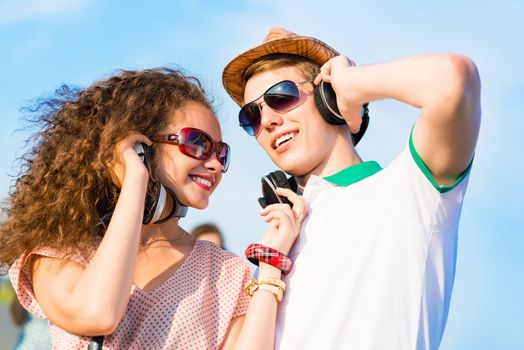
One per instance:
[(231, 275), (20, 277), (243, 298)]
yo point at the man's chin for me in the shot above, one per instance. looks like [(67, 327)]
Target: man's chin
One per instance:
[(293, 169)]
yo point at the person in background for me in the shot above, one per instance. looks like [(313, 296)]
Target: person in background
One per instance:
[(209, 232)]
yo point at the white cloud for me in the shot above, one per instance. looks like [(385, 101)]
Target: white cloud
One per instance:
[(23, 10)]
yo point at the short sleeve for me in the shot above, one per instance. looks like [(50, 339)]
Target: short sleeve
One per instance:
[(243, 298), (416, 196), (20, 277)]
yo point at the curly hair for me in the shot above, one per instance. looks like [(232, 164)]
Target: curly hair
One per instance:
[(64, 187)]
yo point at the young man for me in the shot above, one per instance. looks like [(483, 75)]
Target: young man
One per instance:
[(375, 260)]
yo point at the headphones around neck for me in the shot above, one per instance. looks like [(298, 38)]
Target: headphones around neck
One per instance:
[(326, 102), (269, 184)]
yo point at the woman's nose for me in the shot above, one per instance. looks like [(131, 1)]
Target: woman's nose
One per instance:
[(213, 164)]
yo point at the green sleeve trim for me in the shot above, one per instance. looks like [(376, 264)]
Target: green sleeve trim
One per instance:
[(427, 173)]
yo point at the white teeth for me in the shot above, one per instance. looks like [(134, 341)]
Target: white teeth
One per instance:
[(201, 180), (283, 138)]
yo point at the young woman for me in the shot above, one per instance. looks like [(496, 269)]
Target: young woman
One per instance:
[(92, 235)]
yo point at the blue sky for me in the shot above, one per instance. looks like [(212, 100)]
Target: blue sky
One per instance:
[(46, 43)]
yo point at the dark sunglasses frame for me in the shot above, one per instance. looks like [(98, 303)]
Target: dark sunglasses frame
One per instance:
[(250, 114), (180, 139)]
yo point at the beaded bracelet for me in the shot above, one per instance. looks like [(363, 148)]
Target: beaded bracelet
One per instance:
[(258, 252)]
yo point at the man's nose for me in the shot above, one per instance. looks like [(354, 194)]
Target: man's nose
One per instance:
[(270, 118)]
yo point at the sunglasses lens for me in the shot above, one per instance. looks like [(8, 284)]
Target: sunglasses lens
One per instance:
[(249, 118), (195, 143), (283, 96), (223, 155)]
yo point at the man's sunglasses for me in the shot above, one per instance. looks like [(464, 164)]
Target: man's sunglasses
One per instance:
[(197, 144), (281, 97)]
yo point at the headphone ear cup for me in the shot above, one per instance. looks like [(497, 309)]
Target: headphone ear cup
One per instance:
[(270, 182), (155, 202), (179, 210), (156, 194), (363, 126), (154, 190), (325, 99), (326, 102), (280, 180)]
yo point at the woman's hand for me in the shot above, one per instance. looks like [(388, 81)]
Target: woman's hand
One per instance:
[(125, 160), (337, 71), (284, 221)]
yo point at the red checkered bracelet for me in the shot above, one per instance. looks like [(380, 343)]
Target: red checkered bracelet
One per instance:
[(258, 252)]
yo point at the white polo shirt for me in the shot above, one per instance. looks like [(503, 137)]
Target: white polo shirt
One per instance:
[(375, 261)]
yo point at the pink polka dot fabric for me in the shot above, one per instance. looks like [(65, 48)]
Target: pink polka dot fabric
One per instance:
[(192, 309)]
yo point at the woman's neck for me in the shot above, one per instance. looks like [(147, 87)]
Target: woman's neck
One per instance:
[(166, 231)]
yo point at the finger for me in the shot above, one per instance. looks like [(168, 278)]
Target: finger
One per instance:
[(281, 211), (276, 217), (322, 77), (267, 209), (275, 207), (300, 210), (325, 73), (338, 64), (299, 203), (317, 79), (289, 194)]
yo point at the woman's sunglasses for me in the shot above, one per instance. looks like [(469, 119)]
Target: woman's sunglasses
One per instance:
[(197, 144), (281, 97)]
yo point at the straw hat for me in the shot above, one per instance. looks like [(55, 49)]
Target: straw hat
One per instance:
[(278, 40)]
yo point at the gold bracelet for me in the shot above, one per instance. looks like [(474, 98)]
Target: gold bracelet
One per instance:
[(272, 281), (279, 292), (272, 285)]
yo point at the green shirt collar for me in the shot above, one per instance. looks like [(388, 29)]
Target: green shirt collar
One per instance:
[(354, 173)]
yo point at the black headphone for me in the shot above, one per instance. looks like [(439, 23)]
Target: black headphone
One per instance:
[(326, 102), (156, 195), (269, 184)]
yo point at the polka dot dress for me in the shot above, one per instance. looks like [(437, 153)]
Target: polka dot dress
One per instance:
[(192, 309)]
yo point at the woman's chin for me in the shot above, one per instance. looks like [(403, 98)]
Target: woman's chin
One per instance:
[(200, 204)]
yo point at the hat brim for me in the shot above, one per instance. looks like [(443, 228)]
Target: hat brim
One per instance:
[(309, 47)]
